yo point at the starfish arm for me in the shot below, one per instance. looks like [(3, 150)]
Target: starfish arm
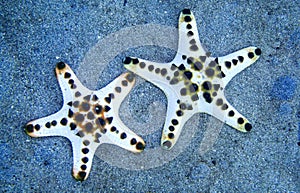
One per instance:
[(69, 83), (234, 63), (116, 91), (157, 73), (59, 123), (119, 134), (83, 153), (53, 125), (225, 112), (188, 43), (177, 115), (115, 131)]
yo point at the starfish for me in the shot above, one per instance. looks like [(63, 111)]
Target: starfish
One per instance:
[(88, 119), (194, 81)]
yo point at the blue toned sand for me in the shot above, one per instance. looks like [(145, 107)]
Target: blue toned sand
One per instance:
[(299, 133), (283, 88), (35, 35)]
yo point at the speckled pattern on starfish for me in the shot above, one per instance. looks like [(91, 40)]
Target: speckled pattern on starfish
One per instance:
[(194, 81), (88, 118)]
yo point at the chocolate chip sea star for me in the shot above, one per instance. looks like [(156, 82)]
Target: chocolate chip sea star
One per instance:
[(194, 81), (88, 119)]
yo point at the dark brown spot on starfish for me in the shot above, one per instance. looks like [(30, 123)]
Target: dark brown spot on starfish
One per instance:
[(124, 83), (84, 106), (209, 72), (60, 65), (118, 89), (231, 113), (142, 65), (187, 19)]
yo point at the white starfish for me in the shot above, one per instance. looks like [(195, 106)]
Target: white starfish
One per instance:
[(194, 82), (88, 119)]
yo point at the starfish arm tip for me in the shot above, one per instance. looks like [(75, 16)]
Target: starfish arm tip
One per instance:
[(237, 121), (84, 149), (79, 175), (167, 144), (139, 147), (119, 134), (60, 68), (29, 129), (128, 140), (56, 124), (170, 135), (234, 63), (178, 113), (130, 61)]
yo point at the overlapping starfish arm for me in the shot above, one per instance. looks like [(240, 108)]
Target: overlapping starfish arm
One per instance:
[(88, 118), (170, 77), (234, 63), (156, 73)]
